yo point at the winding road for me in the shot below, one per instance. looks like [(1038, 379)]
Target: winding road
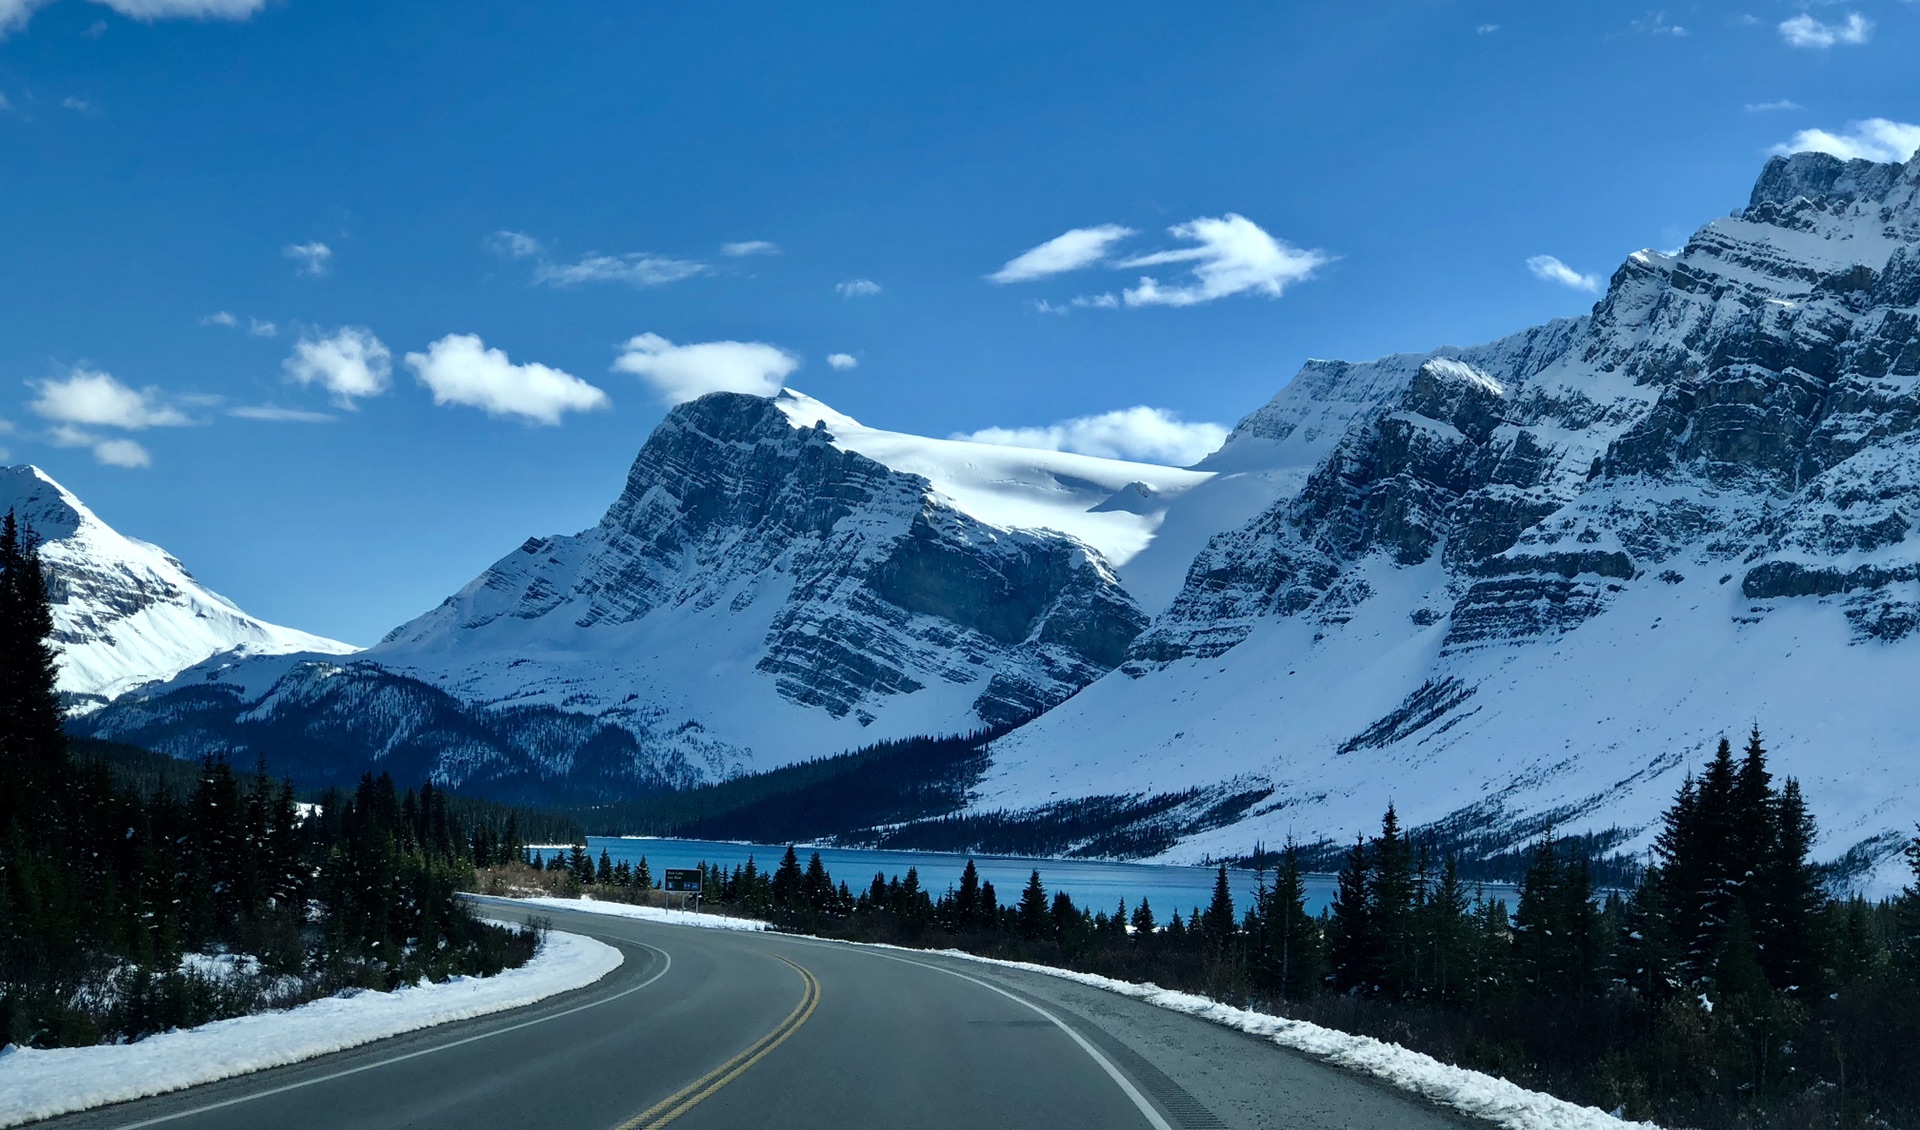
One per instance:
[(707, 1029)]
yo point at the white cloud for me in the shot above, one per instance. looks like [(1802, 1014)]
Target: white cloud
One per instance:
[(1081, 247), (313, 259), (1805, 31), (685, 372), (1486, 29), (1152, 435), (1769, 107), (121, 453), (857, 288), (14, 14), (258, 328), (349, 363), (750, 247), (185, 9), (78, 105), (460, 369), (1550, 269), (223, 318), (843, 361), (88, 398), (1655, 23), (1233, 255), (637, 268), (275, 414), (1096, 302), (1875, 139), (515, 245)]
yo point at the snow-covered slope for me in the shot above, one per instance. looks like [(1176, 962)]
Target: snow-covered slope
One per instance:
[(775, 581), (125, 612), (1533, 581)]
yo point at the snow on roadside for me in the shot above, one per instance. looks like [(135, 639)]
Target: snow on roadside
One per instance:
[(628, 910), (40, 1083), (1476, 1093)]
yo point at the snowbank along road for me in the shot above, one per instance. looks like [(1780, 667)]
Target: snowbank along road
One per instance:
[(712, 1029)]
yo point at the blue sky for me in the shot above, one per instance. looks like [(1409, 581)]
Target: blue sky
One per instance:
[(570, 184)]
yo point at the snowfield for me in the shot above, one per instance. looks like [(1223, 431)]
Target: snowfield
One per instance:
[(36, 1083), (645, 913)]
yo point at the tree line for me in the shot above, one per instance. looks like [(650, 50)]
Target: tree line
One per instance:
[(1726, 987), (125, 911)]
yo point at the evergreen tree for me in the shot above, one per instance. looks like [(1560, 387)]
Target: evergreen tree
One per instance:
[(603, 873), (1218, 923), (643, 876), (1032, 912), (816, 887), (1293, 951), (1791, 921), (1142, 921), (966, 901), (786, 881), (1350, 931), (1392, 895)]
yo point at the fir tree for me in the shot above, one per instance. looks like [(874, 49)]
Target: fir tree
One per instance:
[(1142, 921), (643, 876), (966, 901), (1032, 913), (786, 881), (1218, 923), (603, 873), (1350, 931)]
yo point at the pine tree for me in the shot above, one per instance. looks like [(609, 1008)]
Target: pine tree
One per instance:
[(1350, 930), (1392, 895), (1790, 929), (1294, 945), (1907, 920), (1142, 921), (786, 881), (816, 886), (1444, 925), (966, 901), (643, 876), (1218, 923), (603, 873), (1032, 913)]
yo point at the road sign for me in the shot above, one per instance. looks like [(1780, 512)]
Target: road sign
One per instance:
[(685, 879)]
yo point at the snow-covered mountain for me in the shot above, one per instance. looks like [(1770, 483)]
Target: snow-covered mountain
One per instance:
[(1532, 582), (1520, 584), (125, 612), (776, 581)]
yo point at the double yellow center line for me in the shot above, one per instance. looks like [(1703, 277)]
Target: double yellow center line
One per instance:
[(691, 1095)]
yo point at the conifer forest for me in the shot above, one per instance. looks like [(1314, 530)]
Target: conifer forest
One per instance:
[(125, 912), (1726, 987)]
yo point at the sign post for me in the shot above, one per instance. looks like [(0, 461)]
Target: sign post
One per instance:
[(686, 881)]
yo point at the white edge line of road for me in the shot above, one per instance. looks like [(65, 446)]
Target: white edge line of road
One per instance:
[(1463, 1090), (666, 964), (1126, 1085)]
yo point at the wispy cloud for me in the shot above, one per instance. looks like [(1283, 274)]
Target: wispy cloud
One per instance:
[(686, 372), (278, 415), (1656, 23), (77, 105), (1551, 269), (747, 247), (258, 328), (350, 363), (311, 259), (1231, 255), (1805, 31), (255, 327), (121, 453), (460, 369), (15, 13), (1770, 107), (222, 318), (1486, 29), (1876, 139), (1152, 435), (842, 361), (857, 288), (635, 268), (1071, 251), (515, 245)]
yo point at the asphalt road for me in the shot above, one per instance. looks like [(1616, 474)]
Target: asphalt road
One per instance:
[(715, 1030)]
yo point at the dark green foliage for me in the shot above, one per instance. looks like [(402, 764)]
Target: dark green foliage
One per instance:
[(116, 864)]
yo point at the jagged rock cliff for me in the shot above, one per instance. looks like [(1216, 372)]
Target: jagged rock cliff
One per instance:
[(1533, 580), (760, 591)]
